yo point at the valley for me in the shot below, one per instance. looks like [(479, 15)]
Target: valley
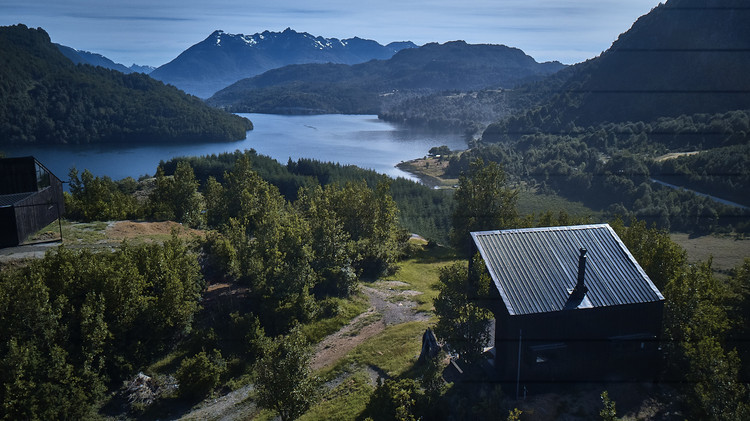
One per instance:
[(266, 226)]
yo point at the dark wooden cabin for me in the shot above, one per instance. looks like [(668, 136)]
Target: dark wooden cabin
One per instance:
[(571, 305), (31, 197)]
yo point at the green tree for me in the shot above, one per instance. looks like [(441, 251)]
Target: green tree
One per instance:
[(661, 258), (394, 399), (76, 319), (216, 208), (176, 198), (97, 199), (369, 218), (462, 323), (608, 412), (282, 377), (443, 151), (333, 260), (200, 374), (696, 323), (280, 272), (483, 202), (514, 414)]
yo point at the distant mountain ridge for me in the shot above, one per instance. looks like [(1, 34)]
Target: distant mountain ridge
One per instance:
[(364, 87), (684, 57), (94, 59), (222, 59)]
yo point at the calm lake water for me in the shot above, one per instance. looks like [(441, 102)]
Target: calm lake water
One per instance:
[(361, 140)]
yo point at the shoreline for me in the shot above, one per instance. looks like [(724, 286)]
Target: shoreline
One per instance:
[(416, 167)]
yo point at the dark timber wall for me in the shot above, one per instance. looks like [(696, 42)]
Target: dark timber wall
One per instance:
[(617, 343), (23, 214)]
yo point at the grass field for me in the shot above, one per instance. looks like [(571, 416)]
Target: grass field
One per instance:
[(728, 252), (530, 201), (420, 273)]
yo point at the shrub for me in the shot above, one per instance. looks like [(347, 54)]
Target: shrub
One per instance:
[(200, 374)]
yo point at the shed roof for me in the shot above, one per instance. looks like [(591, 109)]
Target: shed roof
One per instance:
[(536, 269), (12, 199)]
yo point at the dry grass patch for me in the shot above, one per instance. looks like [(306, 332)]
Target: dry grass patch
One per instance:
[(728, 252), (430, 170), (150, 231)]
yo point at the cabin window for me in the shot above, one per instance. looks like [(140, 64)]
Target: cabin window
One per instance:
[(547, 353), (631, 343), (42, 178)]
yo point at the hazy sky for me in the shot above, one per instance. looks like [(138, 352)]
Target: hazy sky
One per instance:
[(154, 32)]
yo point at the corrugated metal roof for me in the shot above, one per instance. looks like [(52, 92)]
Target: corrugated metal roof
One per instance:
[(11, 199), (535, 269)]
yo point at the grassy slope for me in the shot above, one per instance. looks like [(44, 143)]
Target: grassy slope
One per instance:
[(727, 252), (393, 352)]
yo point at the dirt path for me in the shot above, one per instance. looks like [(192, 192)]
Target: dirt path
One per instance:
[(232, 406), (388, 306)]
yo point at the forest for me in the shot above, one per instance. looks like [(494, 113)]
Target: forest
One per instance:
[(79, 322), (371, 87), (45, 98), (299, 246), (612, 167)]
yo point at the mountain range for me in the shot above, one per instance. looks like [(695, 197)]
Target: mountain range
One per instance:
[(222, 59), (94, 59), (365, 87)]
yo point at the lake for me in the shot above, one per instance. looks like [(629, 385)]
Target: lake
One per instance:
[(360, 140)]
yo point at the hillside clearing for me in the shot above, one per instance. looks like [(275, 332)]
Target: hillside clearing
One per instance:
[(727, 252)]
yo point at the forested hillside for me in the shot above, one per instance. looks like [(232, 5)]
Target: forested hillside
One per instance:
[(364, 88), (79, 323), (684, 57), (45, 98), (667, 103)]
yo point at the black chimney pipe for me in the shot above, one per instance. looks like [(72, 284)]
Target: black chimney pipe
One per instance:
[(580, 285)]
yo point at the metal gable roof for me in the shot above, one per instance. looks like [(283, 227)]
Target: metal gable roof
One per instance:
[(536, 269), (12, 199)]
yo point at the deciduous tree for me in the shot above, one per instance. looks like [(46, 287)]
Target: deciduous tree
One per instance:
[(483, 202), (283, 381), (462, 323)]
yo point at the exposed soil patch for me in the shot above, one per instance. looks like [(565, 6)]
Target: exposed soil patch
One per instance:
[(122, 230), (224, 298), (335, 346), (430, 171), (674, 155)]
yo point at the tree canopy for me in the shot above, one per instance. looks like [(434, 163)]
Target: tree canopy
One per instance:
[(483, 202), (45, 98)]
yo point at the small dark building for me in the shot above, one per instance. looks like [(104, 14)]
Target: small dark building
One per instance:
[(571, 304), (31, 197)]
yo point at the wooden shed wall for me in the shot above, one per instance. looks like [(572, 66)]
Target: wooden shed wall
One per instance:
[(18, 175), (24, 217), (596, 344), (8, 231), (38, 210)]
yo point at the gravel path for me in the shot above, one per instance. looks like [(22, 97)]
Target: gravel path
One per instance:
[(230, 407), (388, 306)]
